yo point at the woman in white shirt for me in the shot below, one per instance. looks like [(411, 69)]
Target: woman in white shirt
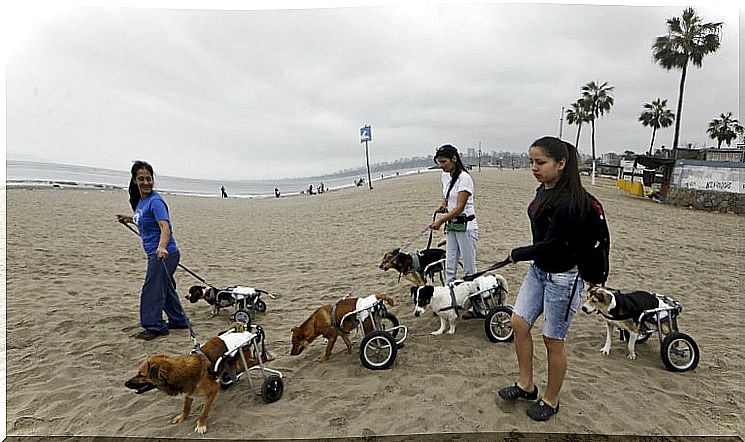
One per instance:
[(459, 211)]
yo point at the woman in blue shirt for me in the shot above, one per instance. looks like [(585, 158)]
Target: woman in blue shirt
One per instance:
[(153, 222)]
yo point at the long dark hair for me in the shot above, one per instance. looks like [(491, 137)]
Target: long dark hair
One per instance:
[(569, 184), (450, 151), (134, 191)]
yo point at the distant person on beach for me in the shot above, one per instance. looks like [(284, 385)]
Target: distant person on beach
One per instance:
[(224, 194), (310, 190), (154, 224), (276, 192), (321, 188), (558, 206), (458, 205)]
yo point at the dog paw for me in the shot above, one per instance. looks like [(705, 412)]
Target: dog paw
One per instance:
[(450, 332), (178, 418), (605, 350), (322, 359), (632, 356), (436, 333), (201, 429)]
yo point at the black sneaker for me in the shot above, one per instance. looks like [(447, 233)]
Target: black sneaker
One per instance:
[(177, 326), (147, 335)]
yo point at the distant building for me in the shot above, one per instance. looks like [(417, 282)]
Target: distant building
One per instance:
[(726, 154), (611, 159)]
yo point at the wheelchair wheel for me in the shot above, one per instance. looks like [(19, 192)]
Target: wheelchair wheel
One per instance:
[(242, 316), (679, 352), (388, 322), (378, 350), (226, 379), (272, 388), (498, 324), (260, 306)]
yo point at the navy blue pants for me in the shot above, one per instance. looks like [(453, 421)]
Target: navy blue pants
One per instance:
[(159, 295)]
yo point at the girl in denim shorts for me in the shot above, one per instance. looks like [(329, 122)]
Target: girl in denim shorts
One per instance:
[(552, 285)]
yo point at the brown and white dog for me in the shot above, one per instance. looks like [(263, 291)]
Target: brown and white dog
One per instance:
[(190, 375), (412, 267), (623, 311), (325, 321), (446, 304)]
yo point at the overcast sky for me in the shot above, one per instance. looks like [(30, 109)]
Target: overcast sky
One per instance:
[(279, 93)]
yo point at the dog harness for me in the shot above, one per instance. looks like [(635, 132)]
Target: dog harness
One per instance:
[(453, 303)]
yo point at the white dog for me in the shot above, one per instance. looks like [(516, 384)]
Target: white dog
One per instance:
[(445, 304)]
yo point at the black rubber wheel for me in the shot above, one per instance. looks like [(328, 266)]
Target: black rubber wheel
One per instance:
[(389, 322), (378, 350), (226, 380), (272, 388), (498, 324), (260, 306), (242, 316), (679, 352)]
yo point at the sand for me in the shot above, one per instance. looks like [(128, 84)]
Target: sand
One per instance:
[(74, 276)]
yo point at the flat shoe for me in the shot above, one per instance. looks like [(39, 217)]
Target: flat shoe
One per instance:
[(541, 411), (177, 326), (514, 392), (147, 335)]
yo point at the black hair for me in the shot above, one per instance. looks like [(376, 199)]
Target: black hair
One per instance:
[(450, 151), (569, 183), (134, 191)]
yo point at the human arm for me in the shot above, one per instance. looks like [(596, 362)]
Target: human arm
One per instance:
[(457, 210), (124, 219), (165, 236), (550, 235)]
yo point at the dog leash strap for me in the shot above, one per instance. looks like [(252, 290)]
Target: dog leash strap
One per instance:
[(192, 334), (429, 242), (569, 305)]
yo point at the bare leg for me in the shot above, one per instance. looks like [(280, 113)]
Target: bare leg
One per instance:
[(557, 368), (524, 352)]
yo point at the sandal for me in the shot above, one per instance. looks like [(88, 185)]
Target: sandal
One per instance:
[(541, 411), (516, 392)]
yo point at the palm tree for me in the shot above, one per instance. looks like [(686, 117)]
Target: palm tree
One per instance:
[(656, 115), (598, 100), (688, 40), (725, 128), (578, 114)]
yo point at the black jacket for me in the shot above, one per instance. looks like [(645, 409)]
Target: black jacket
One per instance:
[(554, 231)]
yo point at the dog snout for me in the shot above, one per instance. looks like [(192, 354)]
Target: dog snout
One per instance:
[(418, 311), (587, 309)]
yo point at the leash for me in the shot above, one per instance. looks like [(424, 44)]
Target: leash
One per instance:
[(199, 278), (192, 334), (495, 266), (431, 231)]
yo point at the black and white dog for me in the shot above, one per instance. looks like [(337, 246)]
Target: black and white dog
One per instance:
[(624, 311), (245, 297), (446, 302)]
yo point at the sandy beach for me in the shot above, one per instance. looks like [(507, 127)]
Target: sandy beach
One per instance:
[(74, 277)]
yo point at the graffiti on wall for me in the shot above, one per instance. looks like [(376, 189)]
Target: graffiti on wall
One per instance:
[(711, 178)]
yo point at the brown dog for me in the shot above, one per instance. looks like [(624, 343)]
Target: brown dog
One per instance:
[(417, 267), (321, 323), (189, 375)]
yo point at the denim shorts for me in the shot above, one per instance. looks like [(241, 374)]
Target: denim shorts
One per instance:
[(548, 293)]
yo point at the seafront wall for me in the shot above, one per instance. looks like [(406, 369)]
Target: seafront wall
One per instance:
[(708, 185)]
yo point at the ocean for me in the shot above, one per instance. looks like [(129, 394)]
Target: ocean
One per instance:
[(26, 173)]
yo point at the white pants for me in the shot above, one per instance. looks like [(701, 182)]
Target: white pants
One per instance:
[(461, 244)]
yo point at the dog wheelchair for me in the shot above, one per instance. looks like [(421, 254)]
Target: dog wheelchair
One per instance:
[(489, 305), (252, 343), (679, 352), (379, 347), (244, 300)]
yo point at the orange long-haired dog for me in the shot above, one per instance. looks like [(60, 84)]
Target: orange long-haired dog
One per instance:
[(189, 375)]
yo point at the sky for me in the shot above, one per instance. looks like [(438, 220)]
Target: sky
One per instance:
[(273, 93)]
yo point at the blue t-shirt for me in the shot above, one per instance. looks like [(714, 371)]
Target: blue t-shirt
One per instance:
[(150, 210)]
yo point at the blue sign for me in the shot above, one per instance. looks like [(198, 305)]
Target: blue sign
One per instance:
[(365, 134)]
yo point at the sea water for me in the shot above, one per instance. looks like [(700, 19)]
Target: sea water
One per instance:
[(25, 173)]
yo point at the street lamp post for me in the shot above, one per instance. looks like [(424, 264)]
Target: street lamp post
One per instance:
[(366, 136)]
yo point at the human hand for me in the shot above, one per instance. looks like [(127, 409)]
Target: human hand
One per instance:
[(124, 219), (436, 225), (162, 252)]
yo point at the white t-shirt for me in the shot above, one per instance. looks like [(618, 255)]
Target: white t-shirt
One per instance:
[(464, 183)]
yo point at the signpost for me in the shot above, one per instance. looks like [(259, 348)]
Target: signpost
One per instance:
[(366, 136)]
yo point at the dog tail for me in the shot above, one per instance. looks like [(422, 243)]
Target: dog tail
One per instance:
[(387, 298), (502, 283), (442, 243)]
